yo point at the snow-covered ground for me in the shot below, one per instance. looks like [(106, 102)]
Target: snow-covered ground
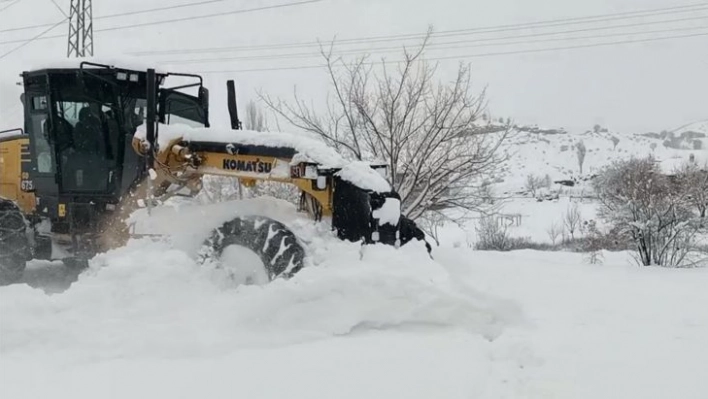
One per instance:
[(147, 321)]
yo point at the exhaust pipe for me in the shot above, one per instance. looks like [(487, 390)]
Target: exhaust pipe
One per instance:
[(231, 103)]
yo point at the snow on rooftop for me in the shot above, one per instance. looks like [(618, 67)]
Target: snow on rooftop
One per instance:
[(307, 149)]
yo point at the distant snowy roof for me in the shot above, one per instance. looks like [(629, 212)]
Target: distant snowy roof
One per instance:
[(307, 149)]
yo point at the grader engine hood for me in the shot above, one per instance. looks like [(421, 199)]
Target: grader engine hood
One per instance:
[(355, 194)]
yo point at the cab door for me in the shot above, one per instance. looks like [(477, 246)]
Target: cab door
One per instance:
[(180, 108), (41, 169)]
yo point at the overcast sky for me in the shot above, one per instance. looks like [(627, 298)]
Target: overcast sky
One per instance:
[(631, 87)]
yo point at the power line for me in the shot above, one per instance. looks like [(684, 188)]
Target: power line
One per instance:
[(60, 9), (242, 11), (477, 55), (433, 46), (122, 14), (457, 32), (194, 4), (220, 14), (9, 5), (136, 12), (447, 33), (440, 45), (37, 37)]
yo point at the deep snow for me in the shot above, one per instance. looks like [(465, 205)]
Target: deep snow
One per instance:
[(147, 321)]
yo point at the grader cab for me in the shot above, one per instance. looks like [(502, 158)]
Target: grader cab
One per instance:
[(99, 141)]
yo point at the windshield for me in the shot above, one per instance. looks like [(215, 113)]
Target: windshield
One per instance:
[(90, 122)]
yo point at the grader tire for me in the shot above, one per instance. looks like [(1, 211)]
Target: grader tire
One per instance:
[(15, 247), (276, 246)]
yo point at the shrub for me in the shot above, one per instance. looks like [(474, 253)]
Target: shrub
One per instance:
[(651, 210), (492, 235)]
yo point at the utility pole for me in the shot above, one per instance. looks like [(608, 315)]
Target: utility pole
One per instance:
[(80, 29)]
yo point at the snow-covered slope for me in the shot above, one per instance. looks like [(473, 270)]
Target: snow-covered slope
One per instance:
[(553, 152), (551, 156)]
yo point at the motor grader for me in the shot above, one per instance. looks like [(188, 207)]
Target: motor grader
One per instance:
[(101, 140)]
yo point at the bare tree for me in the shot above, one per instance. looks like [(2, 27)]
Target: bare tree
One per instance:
[(652, 210), (431, 222), (492, 235), (426, 132), (554, 231), (255, 118), (694, 182), (580, 151), (283, 191), (217, 189), (533, 183), (572, 219), (615, 141)]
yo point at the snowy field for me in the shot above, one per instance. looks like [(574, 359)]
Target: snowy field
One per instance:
[(146, 321)]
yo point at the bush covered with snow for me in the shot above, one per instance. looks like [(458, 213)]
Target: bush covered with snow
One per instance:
[(652, 209)]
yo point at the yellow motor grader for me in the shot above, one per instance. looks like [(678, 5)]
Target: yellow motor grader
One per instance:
[(100, 141)]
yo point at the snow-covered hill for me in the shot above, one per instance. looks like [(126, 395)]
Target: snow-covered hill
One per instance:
[(554, 152), (551, 156)]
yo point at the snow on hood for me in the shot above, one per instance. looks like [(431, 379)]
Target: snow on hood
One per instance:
[(362, 175), (307, 149)]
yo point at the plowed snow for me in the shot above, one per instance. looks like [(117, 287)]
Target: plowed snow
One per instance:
[(147, 321)]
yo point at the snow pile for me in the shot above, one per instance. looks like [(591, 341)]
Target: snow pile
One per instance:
[(151, 299)]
